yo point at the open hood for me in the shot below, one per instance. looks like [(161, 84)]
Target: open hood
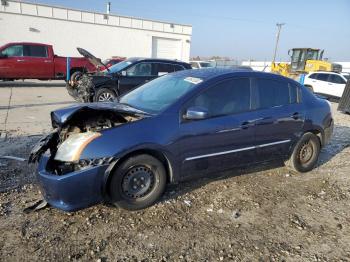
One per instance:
[(94, 60), (61, 116)]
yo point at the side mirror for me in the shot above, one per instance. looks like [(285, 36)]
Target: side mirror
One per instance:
[(196, 113), (3, 56), (290, 52)]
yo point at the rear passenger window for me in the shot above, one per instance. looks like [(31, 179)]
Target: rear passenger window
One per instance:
[(273, 93), (178, 68), (228, 97), (35, 51), (336, 79), (322, 77), (163, 69)]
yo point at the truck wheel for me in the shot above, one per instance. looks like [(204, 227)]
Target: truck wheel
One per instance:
[(137, 183), (105, 95), (305, 153), (74, 78)]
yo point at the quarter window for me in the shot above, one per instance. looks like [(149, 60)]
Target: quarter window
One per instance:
[(13, 51), (228, 97), (272, 93)]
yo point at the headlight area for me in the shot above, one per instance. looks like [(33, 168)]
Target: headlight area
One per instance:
[(67, 157), (71, 149)]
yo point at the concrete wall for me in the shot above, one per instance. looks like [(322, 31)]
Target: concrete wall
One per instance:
[(67, 29), (261, 65)]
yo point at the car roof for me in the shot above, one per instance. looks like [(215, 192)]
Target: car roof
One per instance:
[(137, 59), (324, 72), (213, 72)]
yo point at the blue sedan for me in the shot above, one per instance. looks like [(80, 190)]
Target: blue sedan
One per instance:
[(181, 125)]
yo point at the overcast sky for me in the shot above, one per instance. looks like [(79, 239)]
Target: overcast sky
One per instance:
[(244, 29)]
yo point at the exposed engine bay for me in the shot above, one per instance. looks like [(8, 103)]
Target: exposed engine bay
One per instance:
[(85, 120)]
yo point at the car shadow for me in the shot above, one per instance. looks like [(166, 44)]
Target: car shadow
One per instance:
[(48, 84)]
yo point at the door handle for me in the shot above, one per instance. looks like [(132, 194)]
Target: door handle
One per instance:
[(295, 116), (47, 61), (247, 124), (20, 60)]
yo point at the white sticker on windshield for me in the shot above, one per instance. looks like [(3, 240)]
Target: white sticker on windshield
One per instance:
[(193, 80)]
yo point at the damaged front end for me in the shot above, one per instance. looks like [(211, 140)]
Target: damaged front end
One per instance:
[(69, 181), (83, 90)]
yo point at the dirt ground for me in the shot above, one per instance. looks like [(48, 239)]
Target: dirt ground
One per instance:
[(262, 213)]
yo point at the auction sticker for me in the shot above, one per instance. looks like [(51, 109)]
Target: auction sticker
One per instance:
[(193, 80)]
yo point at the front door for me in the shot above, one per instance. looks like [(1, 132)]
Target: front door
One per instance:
[(135, 76), (226, 137), (13, 64)]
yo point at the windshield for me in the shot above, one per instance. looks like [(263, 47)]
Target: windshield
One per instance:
[(158, 94), (347, 76), (119, 66)]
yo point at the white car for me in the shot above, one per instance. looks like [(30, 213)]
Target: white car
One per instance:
[(326, 83), (200, 64)]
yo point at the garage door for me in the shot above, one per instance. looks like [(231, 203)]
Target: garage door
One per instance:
[(166, 48)]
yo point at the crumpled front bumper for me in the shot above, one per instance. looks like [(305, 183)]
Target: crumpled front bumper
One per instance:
[(72, 191)]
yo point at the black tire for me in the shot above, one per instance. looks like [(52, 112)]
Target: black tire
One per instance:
[(305, 153), (74, 78), (105, 95), (129, 191)]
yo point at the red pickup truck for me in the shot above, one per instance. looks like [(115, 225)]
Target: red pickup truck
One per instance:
[(37, 61)]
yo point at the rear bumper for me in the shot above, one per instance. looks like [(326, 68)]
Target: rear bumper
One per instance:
[(73, 191), (328, 131)]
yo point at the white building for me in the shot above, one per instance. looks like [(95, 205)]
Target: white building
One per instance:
[(103, 35)]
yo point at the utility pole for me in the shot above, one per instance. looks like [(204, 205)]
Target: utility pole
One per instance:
[(279, 26)]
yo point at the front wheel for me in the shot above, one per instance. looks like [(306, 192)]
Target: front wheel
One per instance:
[(137, 183), (105, 95), (305, 153)]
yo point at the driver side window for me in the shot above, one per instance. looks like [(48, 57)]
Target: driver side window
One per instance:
[(141, 69), (226, 98), (13, 51)]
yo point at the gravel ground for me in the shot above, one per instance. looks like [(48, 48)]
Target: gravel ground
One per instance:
[(264, 213)]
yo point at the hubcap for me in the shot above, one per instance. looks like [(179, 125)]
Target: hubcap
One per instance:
[(306, 152), (105, 97), (138, 182)]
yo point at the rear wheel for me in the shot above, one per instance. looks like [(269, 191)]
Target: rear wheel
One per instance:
[(305, 153), (137, 183), (105, 95)]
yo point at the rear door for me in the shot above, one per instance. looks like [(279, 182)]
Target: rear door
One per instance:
[(164, 68), (336, 85), (13, 66), (281, 117), (137, 75), (40, 65), (322, 86), (224, 139)]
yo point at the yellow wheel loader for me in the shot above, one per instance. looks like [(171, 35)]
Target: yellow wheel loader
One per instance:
[(303, 61)]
